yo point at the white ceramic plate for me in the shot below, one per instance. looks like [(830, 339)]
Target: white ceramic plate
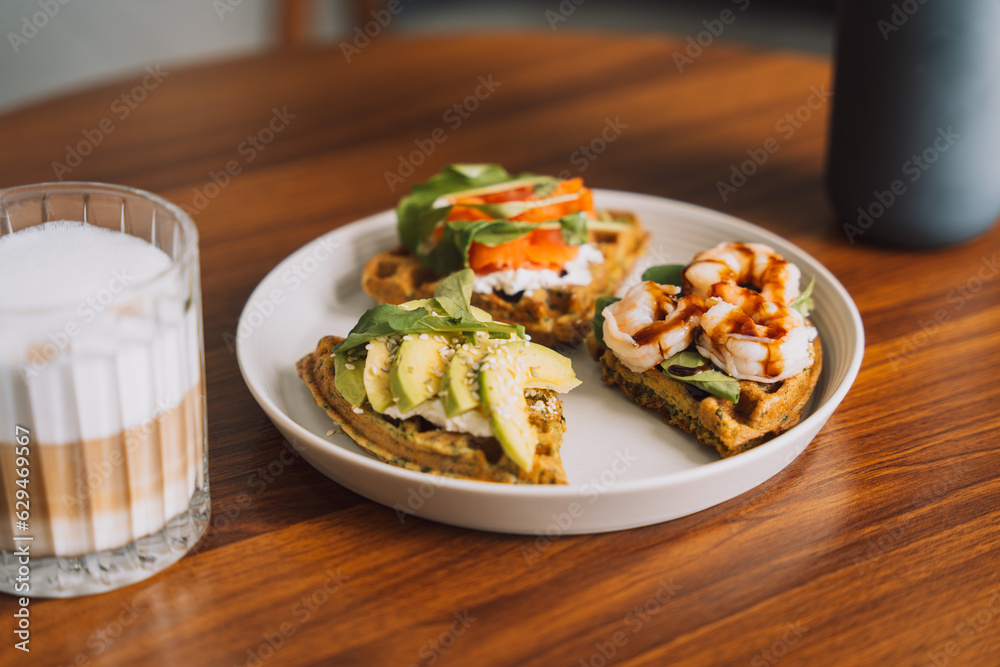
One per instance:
[(626, 468)]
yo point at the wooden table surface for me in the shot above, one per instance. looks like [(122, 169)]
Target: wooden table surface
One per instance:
[(877, 546)]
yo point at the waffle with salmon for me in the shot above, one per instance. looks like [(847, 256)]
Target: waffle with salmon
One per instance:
[(524, 238)]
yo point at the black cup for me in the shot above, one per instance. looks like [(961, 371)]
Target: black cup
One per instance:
[(914, 155)]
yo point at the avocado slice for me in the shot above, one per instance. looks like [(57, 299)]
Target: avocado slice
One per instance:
[(503, 186), (376, 380), (458, 395), (417, 371), (348, 378), (503, 377)]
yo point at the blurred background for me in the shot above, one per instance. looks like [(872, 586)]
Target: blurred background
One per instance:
[(56, 46)]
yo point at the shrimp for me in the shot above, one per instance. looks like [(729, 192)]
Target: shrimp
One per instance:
[(753, 338), (747, 265), (649, 325)]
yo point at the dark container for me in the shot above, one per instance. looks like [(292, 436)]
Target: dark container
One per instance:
[(914, 154)]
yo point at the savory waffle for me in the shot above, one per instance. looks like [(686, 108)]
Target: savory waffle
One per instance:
[(418, 445), (550, 316)]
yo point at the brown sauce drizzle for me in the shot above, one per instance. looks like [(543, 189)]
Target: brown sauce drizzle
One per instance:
[(687, 307), (685, 372)]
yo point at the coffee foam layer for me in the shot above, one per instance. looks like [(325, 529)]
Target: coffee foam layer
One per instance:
[(64, 262)]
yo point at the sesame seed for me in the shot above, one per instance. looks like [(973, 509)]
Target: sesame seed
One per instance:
[(424, 337), (349, 367), (407, 337), (357, 410), (369, 346)]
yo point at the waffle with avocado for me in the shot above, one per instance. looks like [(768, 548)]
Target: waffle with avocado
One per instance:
[(509, 230), (437, 386), (690, 392)]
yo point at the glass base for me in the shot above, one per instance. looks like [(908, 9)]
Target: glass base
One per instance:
[(61, 577)]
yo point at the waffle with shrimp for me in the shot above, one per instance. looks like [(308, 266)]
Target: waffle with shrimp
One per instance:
[(720, 348), (560, 314), (763, 411)]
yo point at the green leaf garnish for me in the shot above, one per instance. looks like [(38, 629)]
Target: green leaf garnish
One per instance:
[(602, 303), (452, 297), (665, 274), (416, 217), (704, 377), (421, 214), (804, 301)]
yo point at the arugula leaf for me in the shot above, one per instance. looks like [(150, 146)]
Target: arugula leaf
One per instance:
[(804, 301), (491, 232), (714, 382), (665, 274), (602, 303), (416, 219), (453, 296), (574, 228)]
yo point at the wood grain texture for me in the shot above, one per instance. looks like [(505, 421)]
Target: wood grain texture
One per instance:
[(877, 546)]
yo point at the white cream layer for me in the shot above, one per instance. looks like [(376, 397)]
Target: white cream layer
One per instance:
[(472, 422), (512, 281)]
